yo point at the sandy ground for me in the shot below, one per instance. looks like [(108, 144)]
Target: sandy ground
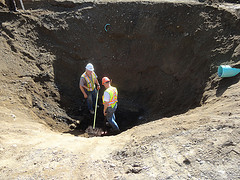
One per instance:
[(200, 144)]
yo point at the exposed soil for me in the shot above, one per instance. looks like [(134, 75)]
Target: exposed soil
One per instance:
[(179, 120)]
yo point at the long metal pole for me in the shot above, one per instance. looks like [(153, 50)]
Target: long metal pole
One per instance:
[(21, 2), (95, 111)]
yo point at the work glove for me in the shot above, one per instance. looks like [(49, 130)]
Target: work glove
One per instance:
[(98, 87)]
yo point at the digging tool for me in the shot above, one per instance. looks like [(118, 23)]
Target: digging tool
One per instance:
[(95, 113), (21, 2), (92, 131)]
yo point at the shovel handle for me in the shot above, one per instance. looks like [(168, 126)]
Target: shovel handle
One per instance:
[(95, 113)]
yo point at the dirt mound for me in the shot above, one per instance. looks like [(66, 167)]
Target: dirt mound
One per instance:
[(162, 57)]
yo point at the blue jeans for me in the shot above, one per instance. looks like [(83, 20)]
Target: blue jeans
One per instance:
[(91, 99), (111, 117)]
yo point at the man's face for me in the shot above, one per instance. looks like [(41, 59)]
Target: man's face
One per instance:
[(106, 84), (88, 72)]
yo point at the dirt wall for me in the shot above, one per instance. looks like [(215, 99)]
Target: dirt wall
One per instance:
[(158, 55)]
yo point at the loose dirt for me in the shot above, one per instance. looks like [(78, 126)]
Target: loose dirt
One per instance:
[(179, 120)]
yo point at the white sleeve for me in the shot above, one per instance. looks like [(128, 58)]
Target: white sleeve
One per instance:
[(106, 97)]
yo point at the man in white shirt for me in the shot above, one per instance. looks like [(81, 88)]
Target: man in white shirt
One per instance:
[(110, 103)]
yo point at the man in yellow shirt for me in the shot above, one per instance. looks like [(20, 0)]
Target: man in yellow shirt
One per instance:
[(110, 103), (87, 86)]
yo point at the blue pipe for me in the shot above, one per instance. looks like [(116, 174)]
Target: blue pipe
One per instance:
[(227, 71)]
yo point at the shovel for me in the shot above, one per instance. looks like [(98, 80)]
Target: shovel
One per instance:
[(21, 2), (92, 131), (95, 113)]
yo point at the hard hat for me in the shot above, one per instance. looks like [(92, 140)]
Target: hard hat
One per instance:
[(89, 67), (105, 79)]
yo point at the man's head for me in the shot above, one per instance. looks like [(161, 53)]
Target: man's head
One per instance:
[(89, 68), (106, 82)]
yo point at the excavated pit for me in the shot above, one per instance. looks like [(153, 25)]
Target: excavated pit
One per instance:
[(159, 55)]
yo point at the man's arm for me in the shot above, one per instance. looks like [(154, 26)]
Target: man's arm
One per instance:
[(106, 102), (105, 108), (82, 88), (97, 82), (83, 91), (98, 85)]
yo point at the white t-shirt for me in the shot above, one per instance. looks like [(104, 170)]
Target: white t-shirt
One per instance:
[(106, 97)]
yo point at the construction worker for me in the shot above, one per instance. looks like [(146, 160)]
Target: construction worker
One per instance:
[(110, 103), (87, 85)]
